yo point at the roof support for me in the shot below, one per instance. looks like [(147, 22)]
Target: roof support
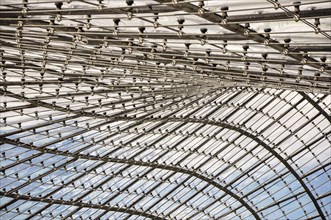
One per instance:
[(228, 126), (137, 163), (225, 125), (79, 204), (13, 13), (236, 28), (315, 104)]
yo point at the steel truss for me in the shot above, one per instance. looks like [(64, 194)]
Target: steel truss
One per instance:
[(170, 110)]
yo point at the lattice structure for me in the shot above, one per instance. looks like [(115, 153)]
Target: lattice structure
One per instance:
[(115, 109)]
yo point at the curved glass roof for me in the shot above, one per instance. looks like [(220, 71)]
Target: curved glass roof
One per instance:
[(165, 109)]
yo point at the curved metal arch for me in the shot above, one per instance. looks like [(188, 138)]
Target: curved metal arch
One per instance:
[(80, 204), (176, 120), (91, 114), (205, 123), (137, 163), (243, 132), (275, 154), (157, 141), (114, 196), (119, 118), (161, 197), (93, 128), (315, 104), (138, 122)]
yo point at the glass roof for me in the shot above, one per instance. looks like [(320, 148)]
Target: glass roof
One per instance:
[(114, 109)]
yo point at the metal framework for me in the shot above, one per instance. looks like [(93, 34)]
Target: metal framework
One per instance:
[(165, 109)]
